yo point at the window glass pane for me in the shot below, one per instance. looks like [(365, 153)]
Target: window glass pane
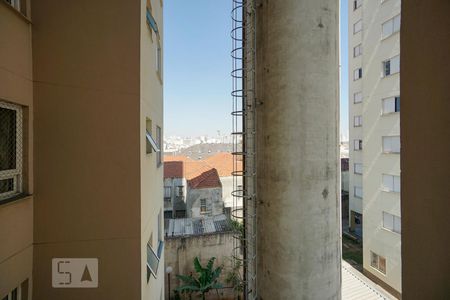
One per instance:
[(388, 105), (358, 168), (7, 139), (397, 224), (373, 260), (396, 25), (397, 104), (387, 28), (387, 144), (357, 97), (396, 144), (382, 264), (152, 260), (388, 182), (6, 185), (397, 184), (395, 64), (386, 68), (388, 221)]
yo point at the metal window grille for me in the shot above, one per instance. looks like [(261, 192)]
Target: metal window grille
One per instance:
[(11, 149)]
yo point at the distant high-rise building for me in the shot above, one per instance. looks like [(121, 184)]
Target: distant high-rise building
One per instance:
[(374, 91)]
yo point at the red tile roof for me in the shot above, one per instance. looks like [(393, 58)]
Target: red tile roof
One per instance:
[(207, 179), (223, 162)]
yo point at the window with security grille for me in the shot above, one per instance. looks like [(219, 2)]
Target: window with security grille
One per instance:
[(10, 150), (203, 208)]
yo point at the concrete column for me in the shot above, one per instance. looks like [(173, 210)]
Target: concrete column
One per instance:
[(299, 247)]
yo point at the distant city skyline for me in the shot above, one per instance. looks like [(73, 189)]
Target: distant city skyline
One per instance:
[(197, 81)]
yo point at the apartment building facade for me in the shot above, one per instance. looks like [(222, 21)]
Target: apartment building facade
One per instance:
[(81, 126), (374, 114)]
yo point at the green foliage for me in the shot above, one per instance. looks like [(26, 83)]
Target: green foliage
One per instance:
[(237, 227), (234, 278), (207, 279)]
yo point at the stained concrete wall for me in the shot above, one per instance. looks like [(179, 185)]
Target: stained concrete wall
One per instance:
[(181, 251), (214, 203), (299, 246), (425, 163)]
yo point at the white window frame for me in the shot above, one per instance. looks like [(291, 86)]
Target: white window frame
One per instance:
[(14, 3), (357, 97), (394, 66), (390, 139), (15, 174), (159, 141), (357, 26), (356, 194), (389, 105), (357, 74), (392, 222), (357, 121), (392, 25), (358, 168), (390, 183), (357, 50), (152, 142), (377, 265)]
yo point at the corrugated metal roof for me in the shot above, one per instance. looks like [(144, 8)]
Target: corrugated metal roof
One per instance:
[(196, 226), (356, 286)]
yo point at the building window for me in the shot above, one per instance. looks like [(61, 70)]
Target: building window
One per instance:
[(159, 60), (357, 74), (179, 191), (159, 141), (150, 19), (392, 223), (10, 150), (358, 192), (151, 144), (357, 27), (19, 292), (391, 144), (180, 214), (356, 4), (203, 206), (391, 105), (358, 168), (357, 97), (357, 50), (152, 262), (357, 145), (391, 66), (160, 230), (168, 192), (391, 183), (19, 5), (390, 27), (357, 121), (168, 214), (378, 262)]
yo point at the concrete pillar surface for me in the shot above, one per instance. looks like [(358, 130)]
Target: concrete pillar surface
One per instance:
[(299, 246)]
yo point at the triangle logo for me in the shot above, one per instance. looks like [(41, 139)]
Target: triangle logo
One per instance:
[(86, 275)]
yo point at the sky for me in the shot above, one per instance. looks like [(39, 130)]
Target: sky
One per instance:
[(197, 65)]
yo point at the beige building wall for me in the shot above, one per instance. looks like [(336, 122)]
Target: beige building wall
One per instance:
[(96, 188), (151, 109), (16, 217), (375, 125)]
